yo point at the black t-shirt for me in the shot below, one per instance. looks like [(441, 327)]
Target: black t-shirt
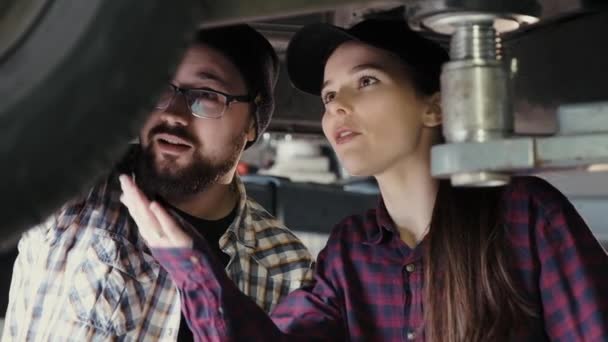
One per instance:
[(212, 231)]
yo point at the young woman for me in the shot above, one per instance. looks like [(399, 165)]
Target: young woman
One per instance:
[(431, 262)]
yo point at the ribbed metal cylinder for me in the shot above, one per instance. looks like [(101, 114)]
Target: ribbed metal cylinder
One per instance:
[(475, 41), (476, 95)]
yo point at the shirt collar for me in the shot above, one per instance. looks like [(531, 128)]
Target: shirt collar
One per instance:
[(384, 225), (241, 227)]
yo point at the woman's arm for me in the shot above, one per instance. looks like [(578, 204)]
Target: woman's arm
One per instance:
[(211, 302), (216, 310)]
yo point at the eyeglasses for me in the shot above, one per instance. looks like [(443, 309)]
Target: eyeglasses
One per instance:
[(203, 103)]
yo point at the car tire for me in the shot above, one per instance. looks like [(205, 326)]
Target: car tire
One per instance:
[(73, 91)]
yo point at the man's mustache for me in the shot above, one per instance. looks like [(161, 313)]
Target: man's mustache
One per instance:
[(178, 131)]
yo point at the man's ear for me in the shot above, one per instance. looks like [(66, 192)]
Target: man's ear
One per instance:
[(251, 131), (432, 117)]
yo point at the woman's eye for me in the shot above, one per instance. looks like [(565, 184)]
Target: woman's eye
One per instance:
[(366, 81), (328, 97)]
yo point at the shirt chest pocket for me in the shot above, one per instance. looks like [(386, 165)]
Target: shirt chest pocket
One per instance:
[(253, 278), (111, 287)]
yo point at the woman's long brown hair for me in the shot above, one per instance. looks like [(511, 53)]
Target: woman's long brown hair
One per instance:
[(469, 293)]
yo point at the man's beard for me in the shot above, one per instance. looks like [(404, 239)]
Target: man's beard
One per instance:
[(171, 181)]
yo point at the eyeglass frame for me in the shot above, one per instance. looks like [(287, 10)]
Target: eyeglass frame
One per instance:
[(184, 93)]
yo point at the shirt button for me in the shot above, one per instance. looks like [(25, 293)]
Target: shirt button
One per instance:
[(194, 259), (410, 268), (197, 277), (411, 336)]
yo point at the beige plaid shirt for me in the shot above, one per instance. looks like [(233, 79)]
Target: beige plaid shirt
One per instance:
[(86, 274)]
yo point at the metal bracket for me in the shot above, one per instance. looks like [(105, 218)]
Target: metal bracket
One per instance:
[(582, 141)]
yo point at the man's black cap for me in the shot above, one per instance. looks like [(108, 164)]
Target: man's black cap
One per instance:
[(255, 59)]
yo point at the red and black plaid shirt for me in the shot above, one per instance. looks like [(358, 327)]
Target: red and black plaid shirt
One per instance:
[(369, 284)]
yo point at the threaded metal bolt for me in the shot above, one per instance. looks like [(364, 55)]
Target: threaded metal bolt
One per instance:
[(475, 41)]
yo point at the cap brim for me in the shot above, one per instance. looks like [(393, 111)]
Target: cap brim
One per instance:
[(308, 51)]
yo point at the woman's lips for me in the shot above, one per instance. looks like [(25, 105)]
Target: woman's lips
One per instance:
[(345, 135)]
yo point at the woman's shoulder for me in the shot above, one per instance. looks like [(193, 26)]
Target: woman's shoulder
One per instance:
[(357, 227), (534, 207), (530, 192)]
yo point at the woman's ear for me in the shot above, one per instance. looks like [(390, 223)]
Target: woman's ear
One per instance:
[(432, 116)]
